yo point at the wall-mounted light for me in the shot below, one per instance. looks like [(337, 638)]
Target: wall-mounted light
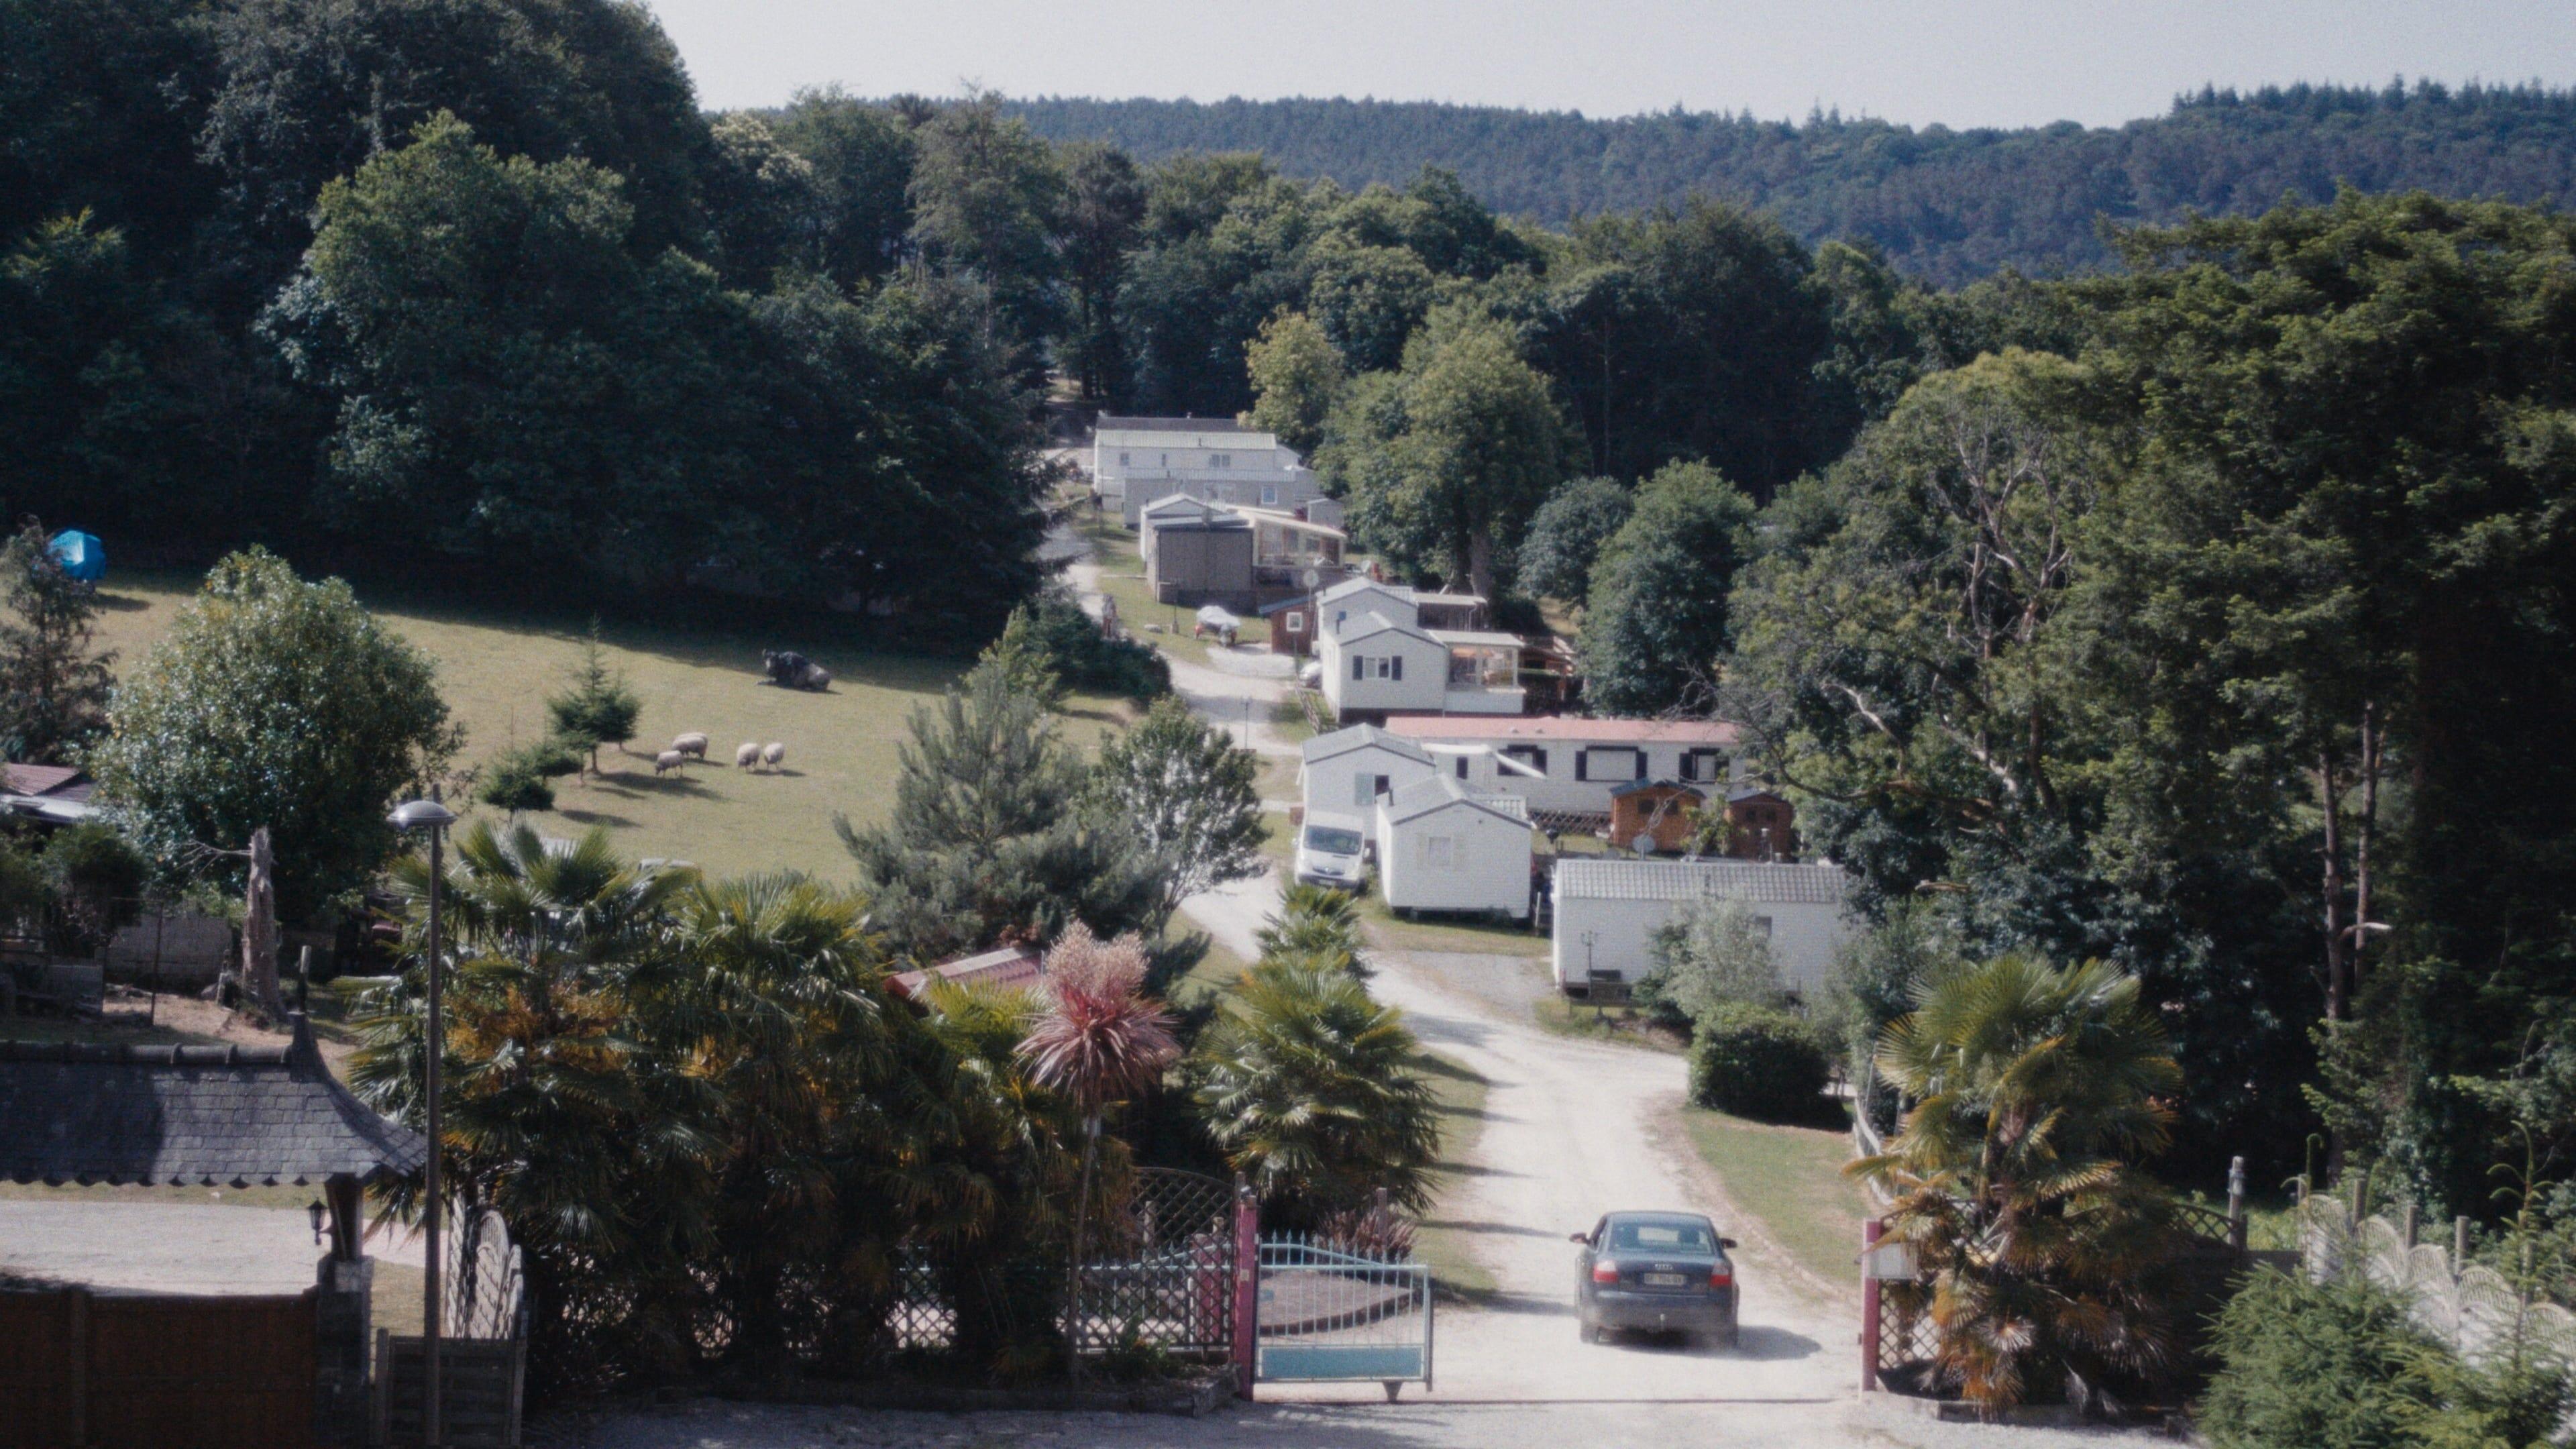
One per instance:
[(315, 1211)]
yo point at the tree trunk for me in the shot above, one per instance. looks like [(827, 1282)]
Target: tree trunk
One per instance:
[(259, 927), (1480, 562), (1073, 1261)]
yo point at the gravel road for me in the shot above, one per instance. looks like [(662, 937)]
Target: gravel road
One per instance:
[(169, 1247)]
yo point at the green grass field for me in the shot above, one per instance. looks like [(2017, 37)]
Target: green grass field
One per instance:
[(495, 671), (1791, 1179), (1456, 1274)]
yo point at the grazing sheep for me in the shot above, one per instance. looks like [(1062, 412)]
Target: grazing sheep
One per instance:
[(746, 754), (772, 753), (693, 745), (668, 760)]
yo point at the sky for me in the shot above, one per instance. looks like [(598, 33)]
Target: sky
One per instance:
[(1962, 63)]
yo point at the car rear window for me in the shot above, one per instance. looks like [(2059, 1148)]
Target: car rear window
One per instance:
[(1663, 1237)]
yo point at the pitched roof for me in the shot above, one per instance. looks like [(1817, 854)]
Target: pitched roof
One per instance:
[(62, 782), (1675, 880), (1477, 638), (1010, 966), (1541, 728), (1439, 792), (1373, 623), (1112, 423), (1354, 585), (194, 1115), (1343, 741)]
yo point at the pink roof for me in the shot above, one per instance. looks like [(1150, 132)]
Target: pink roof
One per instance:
[(1562, 727), (1011, 966)]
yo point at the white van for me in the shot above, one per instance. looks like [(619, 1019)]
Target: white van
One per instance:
[(1332, 850)]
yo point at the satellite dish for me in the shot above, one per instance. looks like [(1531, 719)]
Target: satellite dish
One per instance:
[(1644, 844), (1311, 577)]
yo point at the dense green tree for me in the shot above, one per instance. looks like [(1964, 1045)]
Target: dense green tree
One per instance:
[(1181, 791), (988, 840), (1296, 374), (1946, 205), (1444, 462), (1368, 299), (1104, 204), (765, 205), (2350, 536), (986, 199), (1567, 534), (1692, 334), (519, 387), (309, 92), (861, 157), (1656, 622), (280, 703), (53, 687)]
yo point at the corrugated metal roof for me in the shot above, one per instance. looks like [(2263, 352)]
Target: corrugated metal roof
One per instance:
[(1675, 880)]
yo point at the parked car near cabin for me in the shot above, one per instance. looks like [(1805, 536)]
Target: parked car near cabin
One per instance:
[(1332, 850), (1657, 1273)]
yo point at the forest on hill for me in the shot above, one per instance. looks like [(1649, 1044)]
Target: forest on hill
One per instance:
[(1946, 206)]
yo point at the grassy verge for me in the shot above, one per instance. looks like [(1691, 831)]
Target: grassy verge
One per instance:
[(1278, 837), (1449, 933), (1456, 1274), (286, 1195), (495, 669), (1288, 719), (1278, 778), (1620, 1024), (1790, 1180)]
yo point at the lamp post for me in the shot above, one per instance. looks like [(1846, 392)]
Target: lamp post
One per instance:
[(433, 817)]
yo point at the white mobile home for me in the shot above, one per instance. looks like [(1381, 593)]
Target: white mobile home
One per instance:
[(1606, 912), (1566, 766), (1346, 771), (1374, 666), (1443, 847)]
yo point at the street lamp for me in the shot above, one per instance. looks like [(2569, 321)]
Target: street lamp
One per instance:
[(433, 817)]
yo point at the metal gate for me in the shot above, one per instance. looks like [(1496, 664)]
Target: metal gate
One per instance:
[(1161, 1270), (1329, 1314)]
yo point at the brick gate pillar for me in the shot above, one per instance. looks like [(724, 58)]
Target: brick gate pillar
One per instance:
[(1869, 1304), (1247, 1284), (343, 1400)]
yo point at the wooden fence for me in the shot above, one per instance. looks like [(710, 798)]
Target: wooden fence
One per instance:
[(111, 1370)]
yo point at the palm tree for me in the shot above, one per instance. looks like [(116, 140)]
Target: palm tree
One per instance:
[(1100, 1039), (1308, 1086), (1317, 924), (2036, 1092)]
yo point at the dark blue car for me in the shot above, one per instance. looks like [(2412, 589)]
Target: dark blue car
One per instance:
[(1657, 1273)]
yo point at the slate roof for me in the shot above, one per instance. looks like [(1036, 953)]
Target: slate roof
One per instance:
[(61, 782), (189, 1115), (1674, 880)]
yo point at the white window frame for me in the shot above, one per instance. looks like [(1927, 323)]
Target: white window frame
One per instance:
[(1269, 495), (1444, 853)]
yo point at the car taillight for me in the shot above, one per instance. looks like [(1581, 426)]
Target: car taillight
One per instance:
[(1721, 1276), (1605, 1271)]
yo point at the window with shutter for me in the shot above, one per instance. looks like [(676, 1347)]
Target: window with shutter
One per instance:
[(1530, 755), (1359, 664), (1360, 792), (1462, 767), (1399, 667), (1583, 764)]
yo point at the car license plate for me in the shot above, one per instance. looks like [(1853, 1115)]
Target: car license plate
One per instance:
[(1666, 1280)]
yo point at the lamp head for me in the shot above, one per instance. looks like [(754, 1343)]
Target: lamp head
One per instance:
[(315, 1210), (421, 815)]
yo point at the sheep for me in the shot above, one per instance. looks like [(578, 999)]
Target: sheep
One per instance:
[(816, 678), (693, 745), (772, 753), (746, 754), (668, 760)]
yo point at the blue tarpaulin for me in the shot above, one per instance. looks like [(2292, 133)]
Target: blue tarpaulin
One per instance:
[(84, 557)]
